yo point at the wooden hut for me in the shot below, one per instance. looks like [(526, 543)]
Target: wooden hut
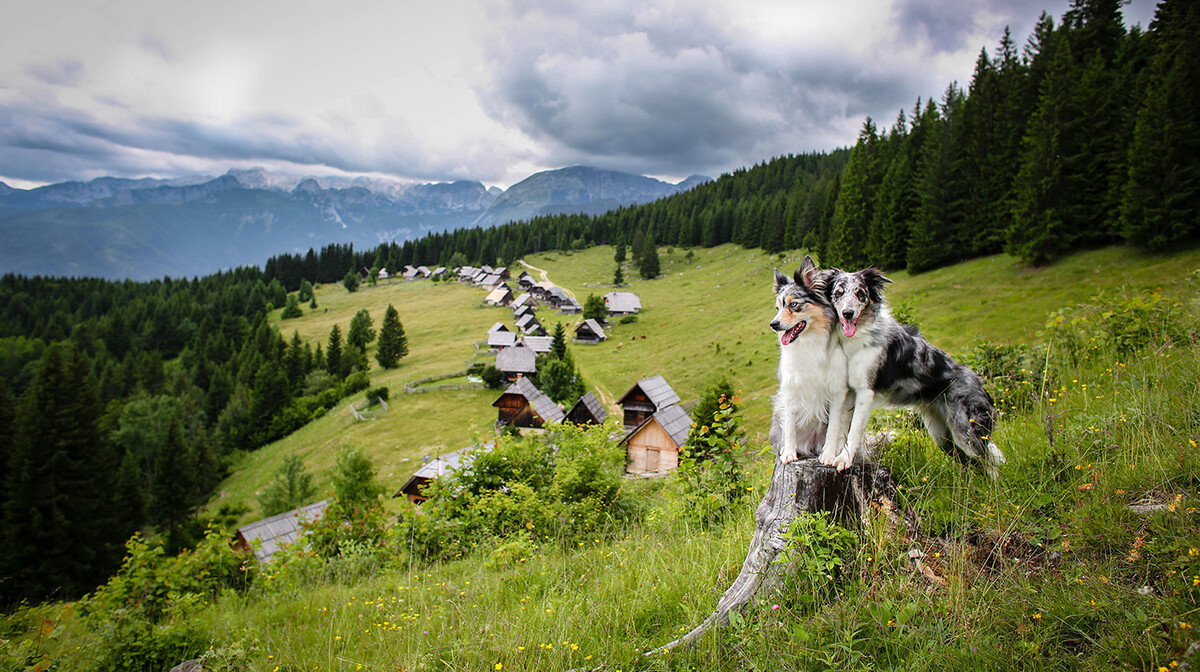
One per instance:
[(522, 311), (653, 446), (590, 332), (500, 339), (434, 468), (539, 344), (646, 398), (587, 411), (516, 361), (523, 405), (528, 324), (501, 296), (622, 303), (269, 535)]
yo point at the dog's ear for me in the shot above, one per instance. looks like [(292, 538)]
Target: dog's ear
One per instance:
[(875, 280), (807, 273), (780, 280)]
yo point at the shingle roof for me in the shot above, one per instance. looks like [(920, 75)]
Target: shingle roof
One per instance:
[(499, 326), (501, 339), (538, 344), (527, 320), (656, 389), (278, 531), (593, 406), (517, 359), (521, 311), (673, 419), (594, 326), (525, 298), (539, 402), (622, 302), (498, 295)]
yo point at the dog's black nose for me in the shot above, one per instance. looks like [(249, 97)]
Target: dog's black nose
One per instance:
[(848, 314), (775, 325)]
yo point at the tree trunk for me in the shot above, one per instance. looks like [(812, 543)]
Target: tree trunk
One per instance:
[(798, 487)]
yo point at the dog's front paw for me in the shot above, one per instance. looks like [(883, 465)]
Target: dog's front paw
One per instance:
[(843, 461), (786, 456), (828, 458)]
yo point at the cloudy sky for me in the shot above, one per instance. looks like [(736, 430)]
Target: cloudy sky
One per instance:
[(469, 89)]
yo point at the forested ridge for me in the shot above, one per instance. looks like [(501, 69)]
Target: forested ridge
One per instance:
[(120, 402), (1086, 134)]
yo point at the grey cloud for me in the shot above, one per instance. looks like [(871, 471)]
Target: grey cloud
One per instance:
[(67, 72), (672, 94)]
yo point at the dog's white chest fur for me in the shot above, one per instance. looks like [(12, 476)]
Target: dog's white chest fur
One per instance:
[(809, 376)]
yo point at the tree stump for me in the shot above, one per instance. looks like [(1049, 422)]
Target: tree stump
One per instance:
[(798, 487)]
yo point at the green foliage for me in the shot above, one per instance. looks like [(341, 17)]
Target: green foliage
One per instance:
[(594, 308), (492, 377), (306, 292), (291, 488), (648, 264), (142, 616), (564, 486), (817, 553), (292, 310), (710, 480), (353, 477), (362, 330), (393, 344), (1014, 375), (375, 394), (351, 281)]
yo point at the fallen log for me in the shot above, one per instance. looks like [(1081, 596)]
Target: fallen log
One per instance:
[(799, 487)]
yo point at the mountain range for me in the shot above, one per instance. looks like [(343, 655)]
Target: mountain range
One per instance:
[(147, 228)]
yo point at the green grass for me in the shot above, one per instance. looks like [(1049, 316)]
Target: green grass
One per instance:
[(1047, 569), (701, 320)]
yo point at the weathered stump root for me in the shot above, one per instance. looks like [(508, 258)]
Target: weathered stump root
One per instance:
[(797, 487)]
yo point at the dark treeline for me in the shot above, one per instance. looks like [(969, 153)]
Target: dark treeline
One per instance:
[(1087, 134), (119, 404)]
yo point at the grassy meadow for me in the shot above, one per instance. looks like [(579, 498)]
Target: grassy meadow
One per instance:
[(1084, 555)]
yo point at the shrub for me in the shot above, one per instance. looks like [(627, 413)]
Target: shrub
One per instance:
[(492, 377), (374, 394), (709, 481)]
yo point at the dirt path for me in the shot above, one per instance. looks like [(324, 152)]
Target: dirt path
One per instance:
[(546, 277)]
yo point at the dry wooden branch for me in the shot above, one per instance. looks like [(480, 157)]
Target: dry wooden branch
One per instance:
[(802, 486)]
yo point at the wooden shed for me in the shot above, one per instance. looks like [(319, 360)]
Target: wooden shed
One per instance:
[(528, 324), (500, 339), (590, 332), (653, 446), (501, 296), (269, 535), (587, 411), (622, 303), (539, 344), (516, 361), (434, 468), (646, 398), (523, 405)]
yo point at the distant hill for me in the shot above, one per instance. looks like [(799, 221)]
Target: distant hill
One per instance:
[(149, 228)]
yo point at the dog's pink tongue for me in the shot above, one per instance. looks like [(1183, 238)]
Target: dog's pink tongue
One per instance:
[(848, 328)]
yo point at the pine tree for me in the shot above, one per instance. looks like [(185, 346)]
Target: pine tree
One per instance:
[(292, 310), (351, 281), (855, 202), (619, 254), (393, 344), (362, 330), (333, 353), (58, 530), (618, 276), (648, 266), (1161, 202), (558, 344)]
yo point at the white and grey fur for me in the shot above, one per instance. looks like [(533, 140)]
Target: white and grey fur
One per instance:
[(812, 369), (890, 364)]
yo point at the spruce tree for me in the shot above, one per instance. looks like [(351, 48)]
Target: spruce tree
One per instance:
[(1161, 199), (333, 353), (362, 330), (393, 344), (648, 266), (618, 276), (58, 530)]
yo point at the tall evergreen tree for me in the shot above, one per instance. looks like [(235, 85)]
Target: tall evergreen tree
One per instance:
[(58, 531), (362, 330), (648, 266), (393, 344), (333, 353), (1161, 203), (855, 202)]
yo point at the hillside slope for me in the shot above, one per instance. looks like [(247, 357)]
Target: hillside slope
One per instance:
[(702, 319)]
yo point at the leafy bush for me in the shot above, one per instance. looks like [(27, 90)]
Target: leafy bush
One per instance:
[(1120, 325), (817, 552), (381, 392), (1014, 375), (142, 615), (492, 377), (709, 482), (628, 319), (563, 486)]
